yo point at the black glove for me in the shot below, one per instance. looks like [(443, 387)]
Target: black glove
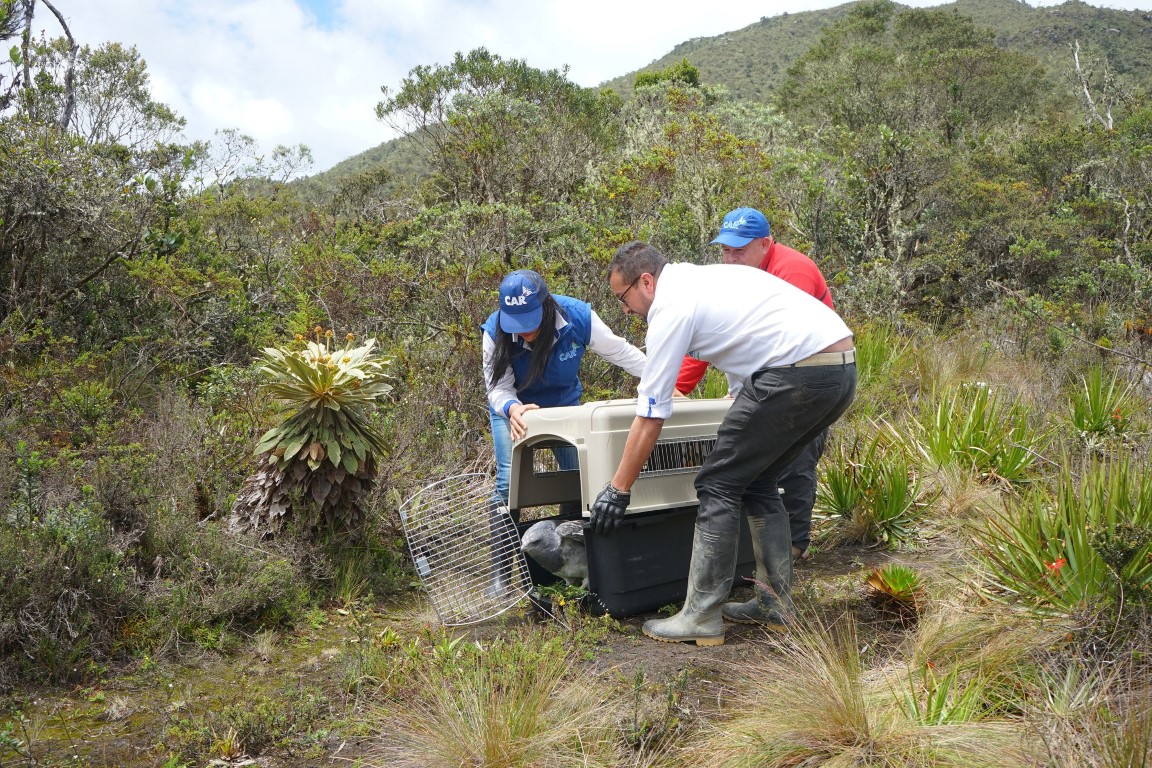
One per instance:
[(608, 509)]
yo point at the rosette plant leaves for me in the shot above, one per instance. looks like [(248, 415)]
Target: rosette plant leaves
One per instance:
[(318, 464)]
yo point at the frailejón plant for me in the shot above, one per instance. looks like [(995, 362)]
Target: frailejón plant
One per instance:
[(320, 460)]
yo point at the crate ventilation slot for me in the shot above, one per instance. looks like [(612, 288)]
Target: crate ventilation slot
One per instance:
[(674, 457)]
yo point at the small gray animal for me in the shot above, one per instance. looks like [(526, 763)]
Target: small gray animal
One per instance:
[(559, 549)]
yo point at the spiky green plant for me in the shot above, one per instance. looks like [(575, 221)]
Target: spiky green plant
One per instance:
[(330, 390), (869, 495), (972, 426), (1101, 408), (1088, 548), (933, 699), (840, 494), (322, 456), (896, 589)]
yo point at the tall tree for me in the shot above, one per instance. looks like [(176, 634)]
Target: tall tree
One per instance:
[(100, 94), (87, 168), (913, 71), (500, 131)]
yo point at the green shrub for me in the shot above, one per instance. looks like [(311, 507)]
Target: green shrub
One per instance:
[(65, 587), (1088, 548), (713, 385), (207, 579), (252, 725), (869, 494)]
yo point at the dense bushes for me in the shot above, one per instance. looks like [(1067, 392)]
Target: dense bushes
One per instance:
[(103, 552)]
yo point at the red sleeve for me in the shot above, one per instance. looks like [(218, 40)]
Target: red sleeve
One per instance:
[(691, 371), (794, 267)]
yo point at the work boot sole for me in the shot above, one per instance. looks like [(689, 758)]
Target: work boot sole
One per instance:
[(700, 641)]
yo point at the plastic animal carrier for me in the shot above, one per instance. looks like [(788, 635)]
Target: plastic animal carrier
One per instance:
[(643, 565)]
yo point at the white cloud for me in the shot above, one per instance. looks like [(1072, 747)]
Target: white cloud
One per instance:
[(309, 71)]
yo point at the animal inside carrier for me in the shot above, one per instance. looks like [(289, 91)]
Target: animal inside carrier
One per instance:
[(643, 565)]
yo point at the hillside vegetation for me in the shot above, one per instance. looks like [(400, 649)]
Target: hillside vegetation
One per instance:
[(752, 62), (216, 393)]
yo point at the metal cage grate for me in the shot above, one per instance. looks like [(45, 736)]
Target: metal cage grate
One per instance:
[(672, 457), (466, 549)]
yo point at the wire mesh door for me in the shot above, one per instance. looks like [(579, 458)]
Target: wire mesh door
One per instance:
[(466, 549)]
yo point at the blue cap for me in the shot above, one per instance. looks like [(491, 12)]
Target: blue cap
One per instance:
[(741, 227), (522, 297)]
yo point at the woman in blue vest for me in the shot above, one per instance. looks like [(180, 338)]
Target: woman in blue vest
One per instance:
[(532, 348)]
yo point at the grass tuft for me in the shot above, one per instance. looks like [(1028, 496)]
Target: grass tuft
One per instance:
[(817, 703), (514, 703)]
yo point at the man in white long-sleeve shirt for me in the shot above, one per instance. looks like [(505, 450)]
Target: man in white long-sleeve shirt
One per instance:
[(790, 363)]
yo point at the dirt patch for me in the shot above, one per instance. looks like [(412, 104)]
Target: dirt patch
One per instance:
[(827, 585)]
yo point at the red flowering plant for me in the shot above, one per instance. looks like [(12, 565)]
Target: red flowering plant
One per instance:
[(1088, 547), (1101, 408)]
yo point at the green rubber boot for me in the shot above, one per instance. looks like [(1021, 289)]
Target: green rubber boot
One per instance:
[(771, 606), (709, 580), (502, 538)]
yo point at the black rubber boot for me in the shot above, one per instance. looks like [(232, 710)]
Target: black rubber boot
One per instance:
[(709, 581), (502, 538)]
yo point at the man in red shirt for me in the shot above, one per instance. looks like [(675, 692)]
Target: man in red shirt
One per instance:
[(745, 238)]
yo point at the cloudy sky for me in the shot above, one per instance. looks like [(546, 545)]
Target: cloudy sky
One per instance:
[(310, 71)]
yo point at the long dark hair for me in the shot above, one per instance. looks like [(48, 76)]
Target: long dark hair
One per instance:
[(541, 347)]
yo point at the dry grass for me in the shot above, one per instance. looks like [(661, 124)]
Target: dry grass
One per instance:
[(959, 498), (1093, 718), (947, 364), (992, 642), (817, 703), (509, 706)]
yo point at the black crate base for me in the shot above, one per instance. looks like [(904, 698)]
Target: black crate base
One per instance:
[(643, 565)]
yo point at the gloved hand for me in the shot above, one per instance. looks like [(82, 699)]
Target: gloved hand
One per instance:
[(608, 509)]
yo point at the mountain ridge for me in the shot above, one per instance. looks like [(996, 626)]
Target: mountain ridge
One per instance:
[(732, 59)]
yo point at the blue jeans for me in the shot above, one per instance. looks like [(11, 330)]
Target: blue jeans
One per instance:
[(566, 456)]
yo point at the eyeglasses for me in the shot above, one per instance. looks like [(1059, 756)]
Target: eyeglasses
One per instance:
[(631, 285)]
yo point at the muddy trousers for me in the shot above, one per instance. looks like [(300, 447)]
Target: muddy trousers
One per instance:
[(777, 415), (797, 481)]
